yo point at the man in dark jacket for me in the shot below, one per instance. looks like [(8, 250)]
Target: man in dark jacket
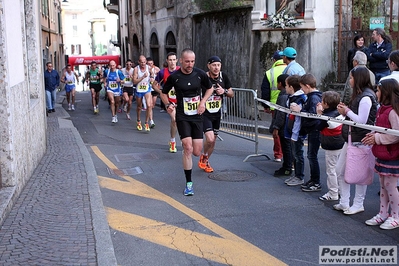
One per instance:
[(378, 53), (51, 82)]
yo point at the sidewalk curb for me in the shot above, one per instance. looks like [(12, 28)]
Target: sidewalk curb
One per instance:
[(104, 246)]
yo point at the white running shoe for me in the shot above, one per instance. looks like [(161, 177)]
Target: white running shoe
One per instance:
[(73, 107)]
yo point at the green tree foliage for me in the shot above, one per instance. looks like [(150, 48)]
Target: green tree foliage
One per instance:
[(213, 5), (365, 9)]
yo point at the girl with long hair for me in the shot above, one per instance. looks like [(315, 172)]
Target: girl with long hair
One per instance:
[(386, 150)]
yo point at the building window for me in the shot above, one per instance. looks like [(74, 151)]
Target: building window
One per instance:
[(75, 31), (74, 16)]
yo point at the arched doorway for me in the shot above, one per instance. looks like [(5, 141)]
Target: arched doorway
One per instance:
[(154, 48), (135, 49), (170, 43)]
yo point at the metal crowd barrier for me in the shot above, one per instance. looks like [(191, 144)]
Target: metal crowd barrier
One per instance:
[(240, 117)]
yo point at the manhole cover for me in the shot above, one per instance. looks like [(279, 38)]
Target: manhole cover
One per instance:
[(232, 175)]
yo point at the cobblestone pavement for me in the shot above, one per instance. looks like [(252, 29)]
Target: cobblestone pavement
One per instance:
[(58, 218)]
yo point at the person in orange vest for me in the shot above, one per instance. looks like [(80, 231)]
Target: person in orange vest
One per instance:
[(270, 93)]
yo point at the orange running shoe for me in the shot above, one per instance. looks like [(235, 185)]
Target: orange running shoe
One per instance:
[(202, 161), (139, 127), (208, 168), (172, 146)]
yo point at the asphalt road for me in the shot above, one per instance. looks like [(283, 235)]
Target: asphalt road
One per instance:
[(257, 221)]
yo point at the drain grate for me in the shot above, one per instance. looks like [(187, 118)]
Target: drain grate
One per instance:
[(133, 171), (232, 175)]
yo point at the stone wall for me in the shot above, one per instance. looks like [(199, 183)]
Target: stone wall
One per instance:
[(22, 110)]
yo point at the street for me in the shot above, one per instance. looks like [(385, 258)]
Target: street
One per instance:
[(240, 214)]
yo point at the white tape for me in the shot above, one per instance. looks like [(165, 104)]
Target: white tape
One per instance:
[(328, 118)]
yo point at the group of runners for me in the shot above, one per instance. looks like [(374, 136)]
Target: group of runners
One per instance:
[(192, 97)]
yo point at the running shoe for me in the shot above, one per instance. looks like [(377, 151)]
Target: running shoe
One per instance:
[(113, 119), (139, 127), (95, 110), (125, 108), (376, 220), (390, 223), (73, 107), (120, 110), (116, 118), (152, 124), (340, 207), (277, 160), (282, 172), (296, 181), (327, 197), (312, 187), (189, 190), (202, 161), (208, 168), (69, 107), (147, 127), (289, 179), (128, 116), (172, 146)]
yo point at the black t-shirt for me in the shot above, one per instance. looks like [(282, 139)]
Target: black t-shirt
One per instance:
[(214, 103), (188, 92)]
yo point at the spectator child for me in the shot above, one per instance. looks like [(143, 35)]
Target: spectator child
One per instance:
[(386, 150), (309, 127), (277, 129), (363, 109), (292, 128), (331, 140)]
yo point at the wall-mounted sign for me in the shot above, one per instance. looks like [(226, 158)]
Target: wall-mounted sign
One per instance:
[(377, 22)]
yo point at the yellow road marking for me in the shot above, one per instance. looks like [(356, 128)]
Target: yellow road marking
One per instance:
[(228, 248)]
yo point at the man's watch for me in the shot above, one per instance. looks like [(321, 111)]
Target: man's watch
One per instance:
[(226, 91)]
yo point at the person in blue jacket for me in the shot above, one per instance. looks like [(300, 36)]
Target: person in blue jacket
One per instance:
[(378, 53)]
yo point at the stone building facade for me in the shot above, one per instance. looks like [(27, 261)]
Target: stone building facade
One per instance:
[(22, 109), (237, 35)]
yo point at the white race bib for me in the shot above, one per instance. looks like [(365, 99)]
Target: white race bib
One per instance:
[(214, 103), (190, 105)]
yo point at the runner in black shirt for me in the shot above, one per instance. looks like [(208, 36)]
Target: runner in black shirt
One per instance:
[(212, 114), (188, 83)]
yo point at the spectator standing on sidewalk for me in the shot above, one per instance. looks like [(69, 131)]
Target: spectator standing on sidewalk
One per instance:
[(331, 141), (360, 59), (277, 128), (362, 109), (188, 82), (358, 45), (378, 53), (270, 93), (309, 127), (293, 67), (51, 83), (386, 150), (212, 115), (292, 129)]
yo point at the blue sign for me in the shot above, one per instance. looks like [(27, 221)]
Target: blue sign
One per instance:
[(377, 22)]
